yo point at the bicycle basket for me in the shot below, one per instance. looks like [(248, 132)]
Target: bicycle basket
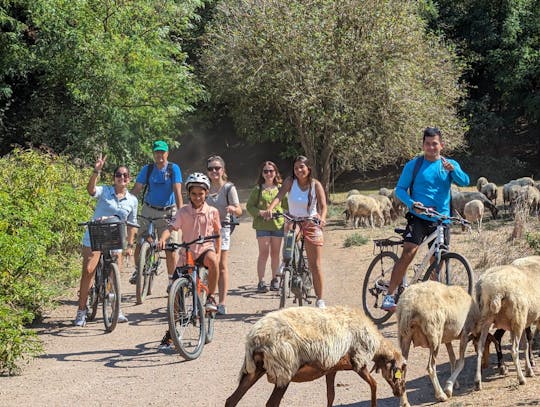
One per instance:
[(107, 235)]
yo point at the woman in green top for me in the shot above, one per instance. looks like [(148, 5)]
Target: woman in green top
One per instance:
[(269, 232)]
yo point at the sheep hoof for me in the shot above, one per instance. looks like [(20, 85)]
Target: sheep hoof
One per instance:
[(529, 373), (522, 381), (477, 385), (441, 397), (448, 391), (503, 370)]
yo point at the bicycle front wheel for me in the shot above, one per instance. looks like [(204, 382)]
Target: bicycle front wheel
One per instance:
[(144, 271), (454, 269), (111, 297), (285, 287), (375, 283), (210, 317), (186, 319)]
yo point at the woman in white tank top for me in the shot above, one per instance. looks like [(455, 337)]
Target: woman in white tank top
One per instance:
[(306, 198)]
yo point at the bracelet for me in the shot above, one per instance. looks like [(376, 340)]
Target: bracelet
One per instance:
[(96, 172)]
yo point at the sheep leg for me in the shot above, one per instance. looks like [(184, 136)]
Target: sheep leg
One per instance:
[(452, 358), (515, 356), (246, 381), (481, 343), (364, 374), (528, 333), (432, 372), (452, 381), (529, 372), (405, 344), (276, 396), (330, 388), (503, 370)]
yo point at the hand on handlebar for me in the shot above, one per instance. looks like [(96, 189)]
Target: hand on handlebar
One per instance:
[(160, 245)]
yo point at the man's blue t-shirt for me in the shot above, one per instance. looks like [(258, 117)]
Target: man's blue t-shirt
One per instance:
[(160, 189), (431, 185)]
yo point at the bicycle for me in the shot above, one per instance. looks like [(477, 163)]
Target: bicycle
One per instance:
[(295, 276), (149, 261), (106, 235), (190, 326), (442, 265)]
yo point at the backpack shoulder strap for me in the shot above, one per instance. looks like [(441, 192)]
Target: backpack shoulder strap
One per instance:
[(417, 164), (169, 169), (228, 186), (149, 169)]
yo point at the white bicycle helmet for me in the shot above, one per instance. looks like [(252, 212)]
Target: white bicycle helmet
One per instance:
[(197, 179)]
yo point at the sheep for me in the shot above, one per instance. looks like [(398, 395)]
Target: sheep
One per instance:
[(353, 192), (508, 298), (430, 314), (305, 343), (510, 193), (459, 199), (385, 192), (363, 206), (480, 183), (490, 191), (385, 205), (474, 212), (530, 198), (525, 181), (399, 207)]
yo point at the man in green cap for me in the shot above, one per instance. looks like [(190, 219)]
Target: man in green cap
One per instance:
[(162, 198)]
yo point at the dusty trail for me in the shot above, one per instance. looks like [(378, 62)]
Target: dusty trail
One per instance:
[(90, 368)]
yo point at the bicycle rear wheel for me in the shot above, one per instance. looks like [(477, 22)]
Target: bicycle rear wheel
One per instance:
[(186, 320), (144, 272), (454, 269), (210, 317), (93, 294), (111, 297), (285, 286), (374, 288)]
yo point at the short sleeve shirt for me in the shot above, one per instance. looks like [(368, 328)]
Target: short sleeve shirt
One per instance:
[(160, 189), (109, 205), (219, 200)]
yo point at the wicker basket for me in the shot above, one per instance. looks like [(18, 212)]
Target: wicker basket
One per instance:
[(107, 235)]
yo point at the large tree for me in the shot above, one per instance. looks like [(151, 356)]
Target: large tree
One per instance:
[(352, 84), (80, 75)]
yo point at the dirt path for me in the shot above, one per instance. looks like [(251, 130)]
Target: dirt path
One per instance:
[(125, 368)]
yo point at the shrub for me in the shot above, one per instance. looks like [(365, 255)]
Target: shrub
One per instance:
[(42, 198), (356, 239), (533, 239)]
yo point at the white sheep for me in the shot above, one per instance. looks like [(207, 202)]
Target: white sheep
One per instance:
[(385, 205), (529, 196), (524, 181), (474, 212), (430, 314), (353, 192), (490, 191), (459, 199), (359, 206), (399, 207), (508, 299), (305, 343), (385, 192), (480, 183), (510, 193)]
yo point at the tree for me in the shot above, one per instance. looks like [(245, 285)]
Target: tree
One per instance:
[(95, 75), (353, 86)]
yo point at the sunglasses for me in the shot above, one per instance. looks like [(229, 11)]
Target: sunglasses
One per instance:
[(268, 171), (214, 168), (121, 174)]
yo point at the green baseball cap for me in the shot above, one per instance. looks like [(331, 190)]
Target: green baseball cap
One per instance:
[(160, 145)]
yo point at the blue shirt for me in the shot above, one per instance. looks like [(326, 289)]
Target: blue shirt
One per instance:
[(431, 185), (108, 205), (160, 189)]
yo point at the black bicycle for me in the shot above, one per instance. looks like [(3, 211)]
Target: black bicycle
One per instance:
[(107, 234), (438, 264), (190, 326), (295, 279)]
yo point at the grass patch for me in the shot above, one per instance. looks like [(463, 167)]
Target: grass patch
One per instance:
[(335, 211), (356, 239)]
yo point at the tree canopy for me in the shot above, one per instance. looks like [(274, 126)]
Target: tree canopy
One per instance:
[(353, 86)]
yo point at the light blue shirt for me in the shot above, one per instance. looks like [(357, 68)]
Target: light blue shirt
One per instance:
[(431, 185), (109, 205), (159, 192)]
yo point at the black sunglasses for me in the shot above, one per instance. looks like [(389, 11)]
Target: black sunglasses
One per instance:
[(214, 168), (121, 174), (268, 171)]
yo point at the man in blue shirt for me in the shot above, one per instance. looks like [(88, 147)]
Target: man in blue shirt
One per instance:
[(429, 187), (162, 198)]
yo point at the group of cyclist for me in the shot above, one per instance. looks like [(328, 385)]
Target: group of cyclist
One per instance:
[(213, 202)]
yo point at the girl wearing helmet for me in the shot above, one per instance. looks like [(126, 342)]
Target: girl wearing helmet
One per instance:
[(195, 219)]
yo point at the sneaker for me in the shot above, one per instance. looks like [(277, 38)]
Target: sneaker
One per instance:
[(121, 317), (274, 284), (211, 304), (166, 342), (221, 309), (320, 303), (261, 287), (80, 319), (133, 278), (389, 303)]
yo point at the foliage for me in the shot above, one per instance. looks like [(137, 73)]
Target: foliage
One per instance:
[(42, 198), (533, 239), (82, 76), (356, 239), (353, 86)]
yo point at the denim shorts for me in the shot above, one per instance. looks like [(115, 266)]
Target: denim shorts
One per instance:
[(269, 233)]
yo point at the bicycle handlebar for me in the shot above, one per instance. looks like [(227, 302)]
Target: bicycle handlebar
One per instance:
[(425, 210), (103, 218), (199, 240), (297, 219)]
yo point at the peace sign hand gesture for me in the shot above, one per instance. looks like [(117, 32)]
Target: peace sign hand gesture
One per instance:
[(98, 166)]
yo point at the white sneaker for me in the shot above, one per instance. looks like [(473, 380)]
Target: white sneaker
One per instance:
[(80, 319), (320, 303), (122, 317)]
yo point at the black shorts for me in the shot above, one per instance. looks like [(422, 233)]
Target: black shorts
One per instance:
[(418, 229)]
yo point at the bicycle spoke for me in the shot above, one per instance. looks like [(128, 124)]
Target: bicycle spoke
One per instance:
[(375, 284)]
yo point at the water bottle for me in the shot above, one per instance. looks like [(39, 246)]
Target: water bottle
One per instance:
[(288, 246)]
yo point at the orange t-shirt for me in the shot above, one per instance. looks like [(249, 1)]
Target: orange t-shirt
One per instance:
[(193, 223)]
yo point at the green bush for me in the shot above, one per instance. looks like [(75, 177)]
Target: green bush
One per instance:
[(42, 197), (356, 239), (533, 239)]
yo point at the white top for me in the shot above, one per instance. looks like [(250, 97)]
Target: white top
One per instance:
[(298, 201)]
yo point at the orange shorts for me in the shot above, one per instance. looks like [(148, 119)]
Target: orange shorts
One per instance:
[(312, 233)]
